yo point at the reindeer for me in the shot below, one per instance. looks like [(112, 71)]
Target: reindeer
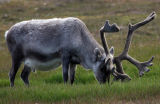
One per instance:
[(142, 66), (47, 44)]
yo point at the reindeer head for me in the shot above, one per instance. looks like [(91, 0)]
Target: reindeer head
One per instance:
[(107, 66)]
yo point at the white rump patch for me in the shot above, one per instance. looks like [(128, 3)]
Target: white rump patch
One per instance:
[(6, 33)]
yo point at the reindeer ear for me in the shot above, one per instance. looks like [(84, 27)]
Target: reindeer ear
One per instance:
[(111, 51), (97, 53)]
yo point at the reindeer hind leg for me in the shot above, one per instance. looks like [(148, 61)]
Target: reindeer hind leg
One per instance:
[(16, 62), (24, 75)]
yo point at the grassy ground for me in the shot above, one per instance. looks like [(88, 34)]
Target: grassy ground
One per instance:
[(48, 87)]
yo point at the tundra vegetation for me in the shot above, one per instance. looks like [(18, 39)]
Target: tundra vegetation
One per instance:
[(48, 87)]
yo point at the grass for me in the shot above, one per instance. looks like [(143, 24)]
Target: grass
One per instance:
[(48, 87)]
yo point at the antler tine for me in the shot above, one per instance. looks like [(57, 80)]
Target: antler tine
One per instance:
[(142, 66), (107, 28), (149, 61), (147, 20), (132, 28), (103, 39), (121, 76)]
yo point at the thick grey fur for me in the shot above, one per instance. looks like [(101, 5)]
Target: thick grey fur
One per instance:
[(46, 44)]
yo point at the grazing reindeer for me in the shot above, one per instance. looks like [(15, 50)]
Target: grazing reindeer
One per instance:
[(46, 44), (142, 66)]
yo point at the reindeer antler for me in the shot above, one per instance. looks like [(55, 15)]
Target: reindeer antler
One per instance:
[(111, 28), (107, 28), (142, 66), (118, 73)]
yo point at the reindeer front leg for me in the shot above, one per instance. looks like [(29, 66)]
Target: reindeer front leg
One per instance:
[(65, 66), (72, 72)]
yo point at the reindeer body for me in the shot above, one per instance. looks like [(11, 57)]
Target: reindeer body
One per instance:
[(46, 44), (42, 42)]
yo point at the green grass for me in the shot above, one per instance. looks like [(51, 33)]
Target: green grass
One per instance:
[(48, 87)]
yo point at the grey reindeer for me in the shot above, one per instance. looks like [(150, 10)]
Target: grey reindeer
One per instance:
[(46, 44)]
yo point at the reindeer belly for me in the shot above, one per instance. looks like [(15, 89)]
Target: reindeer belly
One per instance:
[(43, 66)]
